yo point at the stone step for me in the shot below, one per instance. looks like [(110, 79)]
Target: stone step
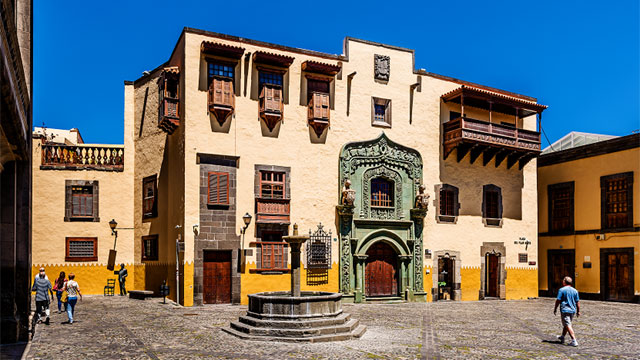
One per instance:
[(356, 333), (298, 333), (295, 324), (385, 300)]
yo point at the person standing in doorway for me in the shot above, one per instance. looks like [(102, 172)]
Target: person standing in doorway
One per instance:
[(122, 278), (42, 287), (58, 288), (73, 290), (569, 302)]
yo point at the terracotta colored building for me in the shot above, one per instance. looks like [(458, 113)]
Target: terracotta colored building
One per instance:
[(589, 222), (232, 141)]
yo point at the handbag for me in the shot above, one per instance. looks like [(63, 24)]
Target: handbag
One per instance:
[(64, 297)]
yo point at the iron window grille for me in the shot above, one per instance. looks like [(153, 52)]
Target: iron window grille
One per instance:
[(523, 258), (150, 247), (81, 249), (381, 193), (319, 249)]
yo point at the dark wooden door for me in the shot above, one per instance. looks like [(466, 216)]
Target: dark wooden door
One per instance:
[(446, 277), (216, 278), (493, 271), (619, 276), (561, 264), (381, 271)]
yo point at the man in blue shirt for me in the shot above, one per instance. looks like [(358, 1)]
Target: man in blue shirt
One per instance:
[(569, 303)]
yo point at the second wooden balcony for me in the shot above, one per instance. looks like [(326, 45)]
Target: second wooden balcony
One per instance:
[(274, 211)]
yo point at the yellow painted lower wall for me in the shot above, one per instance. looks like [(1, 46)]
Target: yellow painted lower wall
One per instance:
[(428, 280), (188, 284), (310, 280), (521, 283), (470, 283), (91, 278)]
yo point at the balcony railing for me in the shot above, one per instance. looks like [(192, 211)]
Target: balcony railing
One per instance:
[(169, 114), (272, 210), (491, 133), (491, 139), (80, 157)]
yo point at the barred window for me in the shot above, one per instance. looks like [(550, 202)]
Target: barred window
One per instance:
[(561, 206), (523, 258), (381, 192), (81, 249), (149, 197)]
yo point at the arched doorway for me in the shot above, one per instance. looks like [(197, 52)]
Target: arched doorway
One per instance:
[(381, 270)]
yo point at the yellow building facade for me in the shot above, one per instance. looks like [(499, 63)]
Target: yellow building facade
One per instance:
[(412, 185), (589, 222)]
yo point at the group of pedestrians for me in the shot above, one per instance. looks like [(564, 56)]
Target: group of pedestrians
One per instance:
[(67, 292)]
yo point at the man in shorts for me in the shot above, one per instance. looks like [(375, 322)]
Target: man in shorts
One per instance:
[(569, 303), (42, 285)]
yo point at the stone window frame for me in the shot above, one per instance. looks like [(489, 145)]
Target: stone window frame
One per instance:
[(491, 222), (628, 176), (387, 112), (501, 250), (273, 168), (69, 240), (68, 206), (551, 189), (144, 247), (447, 219)]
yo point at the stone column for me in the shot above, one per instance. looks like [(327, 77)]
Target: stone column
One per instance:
[(295, 242), (360, 261), (405, 263)]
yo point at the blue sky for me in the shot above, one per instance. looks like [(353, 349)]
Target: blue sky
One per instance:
[(581, 58)]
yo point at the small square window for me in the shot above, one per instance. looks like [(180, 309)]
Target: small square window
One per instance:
[(380, 112), (523, 258), (269, 78), (150, 248)]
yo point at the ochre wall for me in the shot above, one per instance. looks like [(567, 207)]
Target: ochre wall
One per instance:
[(521, 282), (253, 283), (586, 174), (314, 161), (92, 278), (470, 282)]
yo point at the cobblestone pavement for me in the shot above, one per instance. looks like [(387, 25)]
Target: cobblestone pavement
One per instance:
[(121, 328)]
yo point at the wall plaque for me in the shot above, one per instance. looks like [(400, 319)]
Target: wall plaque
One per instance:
[(382, 66)]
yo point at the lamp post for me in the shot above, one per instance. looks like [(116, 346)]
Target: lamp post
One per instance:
[(113, 224), (246, 218)]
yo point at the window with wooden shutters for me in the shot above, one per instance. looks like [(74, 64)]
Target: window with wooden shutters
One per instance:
[(273, 251), (617, 200), (381, 192), (149, 197), (492, 205), (82, 202), (81, 249), (218, 188), (150, 248), (221, 90), (561, 214)]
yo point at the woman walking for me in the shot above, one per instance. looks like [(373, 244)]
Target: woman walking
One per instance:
[(58, 287), (73, 290)]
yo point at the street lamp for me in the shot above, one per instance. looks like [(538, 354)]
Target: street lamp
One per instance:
[(112, 252), (246, 218), (113, 224)]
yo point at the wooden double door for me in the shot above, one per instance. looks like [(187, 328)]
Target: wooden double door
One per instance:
[(618, 273), (216, 277), (381, 271), (561, 263)]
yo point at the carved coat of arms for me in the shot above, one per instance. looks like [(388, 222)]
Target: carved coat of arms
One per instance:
[(382, 67)]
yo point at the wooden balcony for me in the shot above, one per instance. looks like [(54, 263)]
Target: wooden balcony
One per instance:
[(82, 157), (169, 114), (274, 211), (221, 99), (491, 140), (271, 106)]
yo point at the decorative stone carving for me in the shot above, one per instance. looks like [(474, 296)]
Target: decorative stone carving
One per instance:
[(345, 260), (377, 213), (422, 199), (348, 194), (380, 151), (382, 66)]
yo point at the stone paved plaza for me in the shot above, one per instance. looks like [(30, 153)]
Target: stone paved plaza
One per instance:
[(121, 328)]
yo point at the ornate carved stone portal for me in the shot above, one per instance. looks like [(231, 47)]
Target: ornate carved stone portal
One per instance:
[(382, 66), (369, 214)]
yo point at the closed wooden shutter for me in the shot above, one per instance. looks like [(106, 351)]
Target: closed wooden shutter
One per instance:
[(218, 188), (320, 105), (227, 93)]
